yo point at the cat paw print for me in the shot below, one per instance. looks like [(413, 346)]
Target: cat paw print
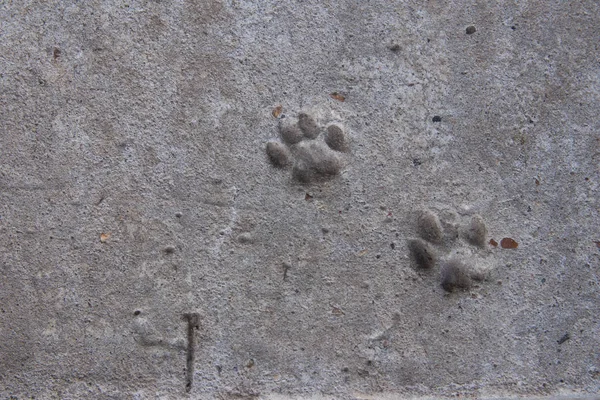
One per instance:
[(458, 249), (314, 153)]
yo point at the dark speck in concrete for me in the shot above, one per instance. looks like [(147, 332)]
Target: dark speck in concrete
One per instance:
[(170, 249), (564, 338)]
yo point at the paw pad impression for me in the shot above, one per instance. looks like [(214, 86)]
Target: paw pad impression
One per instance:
[(312, 160), (455, 271)]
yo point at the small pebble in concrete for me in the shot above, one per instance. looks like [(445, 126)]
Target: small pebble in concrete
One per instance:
[(471, 30), (170, 249), (338, 96), (245, 238), (286, 267), (277, 111), (564, 338)]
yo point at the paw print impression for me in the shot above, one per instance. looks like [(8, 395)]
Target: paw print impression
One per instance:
[(313, 152), (459, 249)]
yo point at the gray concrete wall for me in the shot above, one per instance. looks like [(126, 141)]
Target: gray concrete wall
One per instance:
[(151, 247)]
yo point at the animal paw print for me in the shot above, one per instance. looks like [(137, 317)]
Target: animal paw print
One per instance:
[(311, 159), (461, 263)]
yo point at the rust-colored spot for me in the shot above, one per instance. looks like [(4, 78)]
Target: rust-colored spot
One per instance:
[(493, 243), (104, 237), (537, 182), (277, 111), (597, 244), (337, 96), (337, 311), (508, 243), (308, 197)]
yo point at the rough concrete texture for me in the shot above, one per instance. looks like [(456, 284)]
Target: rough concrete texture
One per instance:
[(150, 248)]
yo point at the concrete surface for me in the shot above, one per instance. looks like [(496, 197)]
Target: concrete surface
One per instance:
[(151, 249)]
